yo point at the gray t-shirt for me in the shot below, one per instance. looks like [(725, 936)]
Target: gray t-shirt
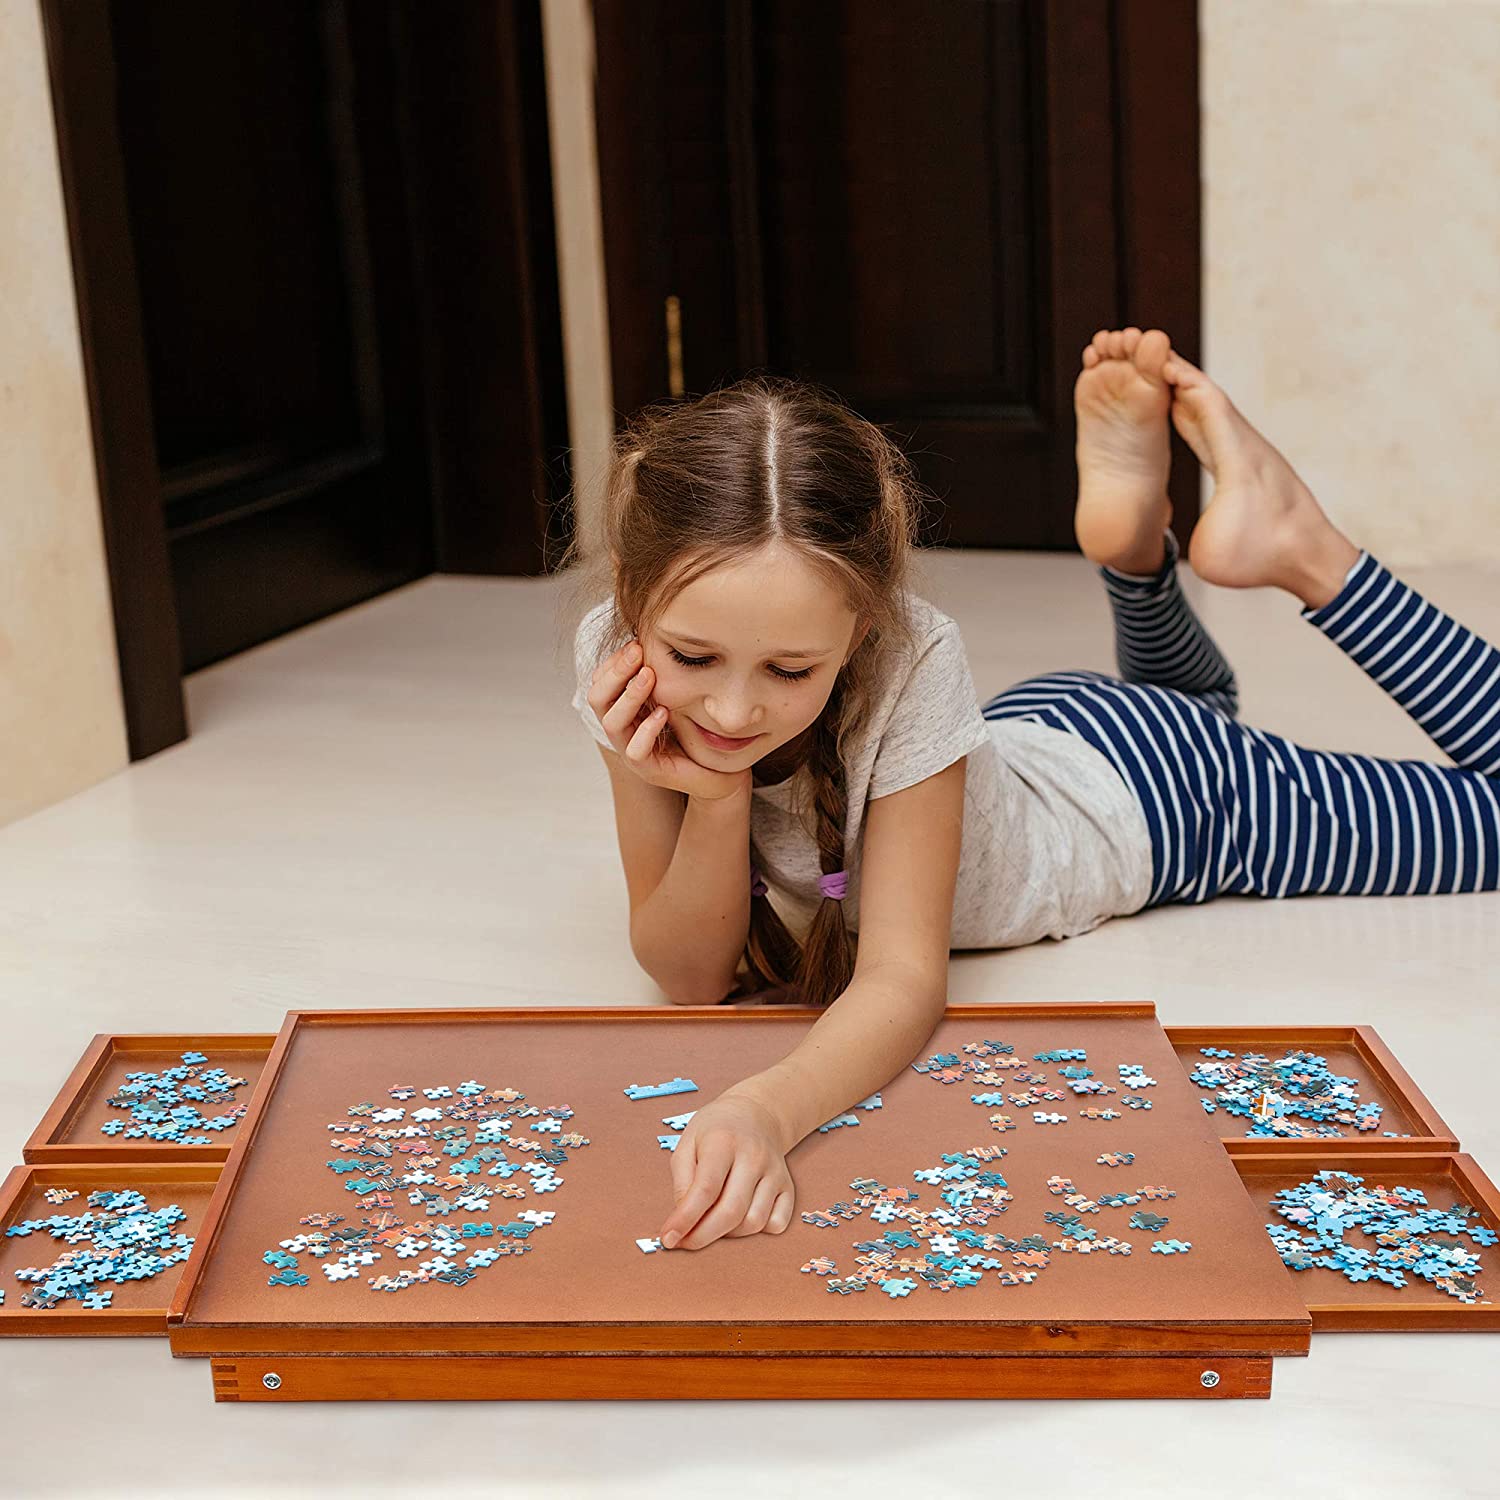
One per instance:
[(1054, 842)]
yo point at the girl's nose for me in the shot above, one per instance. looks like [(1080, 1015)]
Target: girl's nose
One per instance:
[(734, 718)]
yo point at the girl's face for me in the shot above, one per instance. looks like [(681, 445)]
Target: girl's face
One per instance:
[(749, 653)]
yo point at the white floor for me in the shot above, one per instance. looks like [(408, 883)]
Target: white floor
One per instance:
[(398, 807)]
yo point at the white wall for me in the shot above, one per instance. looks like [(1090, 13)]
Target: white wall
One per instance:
[(62, 724)]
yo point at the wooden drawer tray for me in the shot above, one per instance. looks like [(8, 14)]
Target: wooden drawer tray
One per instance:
[(589, 1316), (1351, 1052), (70, 1130), (1338, 1305), (136, 1307)]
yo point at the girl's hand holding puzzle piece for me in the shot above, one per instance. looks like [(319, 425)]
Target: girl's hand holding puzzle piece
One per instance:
[(729, 1175)]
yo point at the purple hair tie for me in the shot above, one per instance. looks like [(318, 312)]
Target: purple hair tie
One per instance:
[(834, 885), (757, 885)]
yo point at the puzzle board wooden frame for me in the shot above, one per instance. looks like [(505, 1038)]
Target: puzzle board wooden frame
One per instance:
[(1204, 1325)]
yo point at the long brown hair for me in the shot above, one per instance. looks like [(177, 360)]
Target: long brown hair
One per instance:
[(698, 484)]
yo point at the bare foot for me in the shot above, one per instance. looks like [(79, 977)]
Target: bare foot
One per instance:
[(1124, 450), (1263, 526)]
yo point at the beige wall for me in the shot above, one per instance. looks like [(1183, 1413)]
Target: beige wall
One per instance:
[(62, 724), (1351, 155), (568, 37)]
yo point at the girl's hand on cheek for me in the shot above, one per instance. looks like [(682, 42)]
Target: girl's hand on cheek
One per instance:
[(729, 1176), (620, 694)]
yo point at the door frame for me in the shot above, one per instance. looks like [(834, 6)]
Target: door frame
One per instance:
[(80, 64)]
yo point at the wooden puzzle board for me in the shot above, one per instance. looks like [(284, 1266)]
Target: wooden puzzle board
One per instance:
[(585, 1273)]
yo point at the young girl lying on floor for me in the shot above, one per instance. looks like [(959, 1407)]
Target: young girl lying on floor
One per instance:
[(778, 711)]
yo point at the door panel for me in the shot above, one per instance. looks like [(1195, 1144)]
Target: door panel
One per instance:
[(261, 173), (927, 207)]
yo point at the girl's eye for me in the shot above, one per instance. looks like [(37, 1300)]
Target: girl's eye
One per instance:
[(703, 661)]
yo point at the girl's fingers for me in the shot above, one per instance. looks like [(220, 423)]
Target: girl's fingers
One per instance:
[(697, 1181), (759, 1212), (618, 715), (728, 1210), (642, 742), (781, 1212), (611, 674)]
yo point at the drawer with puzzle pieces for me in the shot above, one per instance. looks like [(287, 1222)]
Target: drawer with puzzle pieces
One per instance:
[(1283, 1088), (427, 1205), (152, 1098), (1381, 1241), (97, 1249)]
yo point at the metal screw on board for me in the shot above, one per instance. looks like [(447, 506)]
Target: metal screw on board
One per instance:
[(1208, 1379), (272, 1381)]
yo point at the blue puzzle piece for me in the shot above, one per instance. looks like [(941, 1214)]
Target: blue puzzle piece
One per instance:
[(660, 1090)]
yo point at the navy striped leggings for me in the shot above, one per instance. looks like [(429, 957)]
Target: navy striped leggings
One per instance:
[(1234, 810)]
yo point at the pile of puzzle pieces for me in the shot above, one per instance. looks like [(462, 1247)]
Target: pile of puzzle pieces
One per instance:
[(390, 1148), (163, 1106), (129, 1242), (1397, 1218), (954, 1253), (1294, 1098), (995, 1064)]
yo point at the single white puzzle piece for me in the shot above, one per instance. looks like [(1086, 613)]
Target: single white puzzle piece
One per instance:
[(668, 1142), (678, 1122), (649, 1246)]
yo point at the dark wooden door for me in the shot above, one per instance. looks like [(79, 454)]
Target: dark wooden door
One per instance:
[(313, 248), (267, 225), (927, 205)]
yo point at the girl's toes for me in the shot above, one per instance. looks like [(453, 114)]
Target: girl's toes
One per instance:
[(1132, 337), (1152, 352), (1182, 371), (1090, 356), (1117, 344), (1101, 343)]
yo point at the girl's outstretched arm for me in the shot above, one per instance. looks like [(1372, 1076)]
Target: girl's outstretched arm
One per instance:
[(732, 1155)]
